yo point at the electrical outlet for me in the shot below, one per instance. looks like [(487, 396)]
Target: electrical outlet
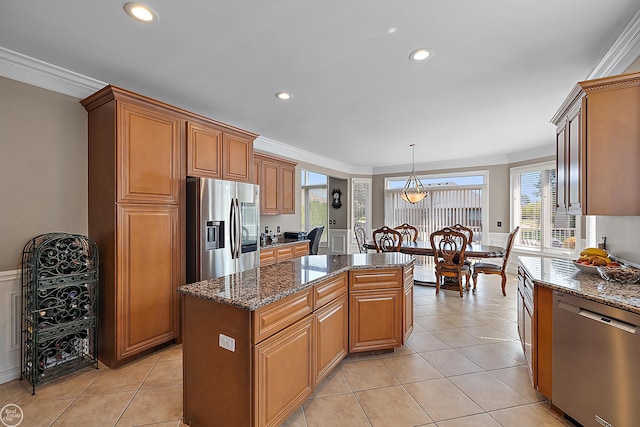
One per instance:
[(278, 229), (227, 342), (499, 223)]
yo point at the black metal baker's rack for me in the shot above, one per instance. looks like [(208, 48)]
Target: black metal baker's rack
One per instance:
[(59, 306)]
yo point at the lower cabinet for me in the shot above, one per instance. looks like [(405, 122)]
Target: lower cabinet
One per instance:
[(289, 352), (283, 253), (535, 308), (376, 320), (332, 336)]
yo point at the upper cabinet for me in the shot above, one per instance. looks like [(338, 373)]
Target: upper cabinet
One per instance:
[(215, 152), (277, 180), (598, 147)]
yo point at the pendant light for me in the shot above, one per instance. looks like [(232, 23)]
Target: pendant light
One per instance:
[(413, 191)]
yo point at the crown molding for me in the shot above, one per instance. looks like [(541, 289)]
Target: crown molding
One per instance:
[(622, 53), (287, 151), (26, 69)]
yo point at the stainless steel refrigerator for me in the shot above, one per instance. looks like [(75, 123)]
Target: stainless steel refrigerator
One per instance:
[(223, 228)]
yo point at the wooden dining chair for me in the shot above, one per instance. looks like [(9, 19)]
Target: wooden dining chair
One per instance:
[(387, 239), (409, 232), (449, 248), (488, 268), (467, 232), (361, 237)]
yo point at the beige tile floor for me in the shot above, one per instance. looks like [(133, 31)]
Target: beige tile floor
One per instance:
[(462, 366)]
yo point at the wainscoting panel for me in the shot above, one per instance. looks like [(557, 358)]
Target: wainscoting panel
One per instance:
[(10, 325), (338, 241)]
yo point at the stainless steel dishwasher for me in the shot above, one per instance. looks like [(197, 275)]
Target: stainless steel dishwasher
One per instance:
[(596, 362)]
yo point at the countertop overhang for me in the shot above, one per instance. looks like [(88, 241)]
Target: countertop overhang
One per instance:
[(255, 288), (561, 275)]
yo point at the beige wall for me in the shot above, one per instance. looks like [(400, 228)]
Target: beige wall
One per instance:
[(43, 167)]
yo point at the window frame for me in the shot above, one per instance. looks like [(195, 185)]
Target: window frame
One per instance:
[(545, 247), (304, 190), (424, 177), (367, 207)]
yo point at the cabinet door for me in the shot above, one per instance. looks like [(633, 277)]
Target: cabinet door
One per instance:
[(237, 157), (148, 275), (283, 372), (301, 249), (332, 336), (204, 151), (573, 162), (375, 319), (149, 155), (288, 184), (269, 187), (561, 173)]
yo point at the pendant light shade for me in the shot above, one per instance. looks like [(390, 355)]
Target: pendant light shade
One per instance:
[(413, 191)]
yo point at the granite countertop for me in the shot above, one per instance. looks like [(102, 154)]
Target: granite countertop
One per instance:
[(562, 275), (258, 287), (283, 242)]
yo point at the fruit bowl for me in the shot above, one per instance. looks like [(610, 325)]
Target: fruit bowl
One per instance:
[(592, 269)]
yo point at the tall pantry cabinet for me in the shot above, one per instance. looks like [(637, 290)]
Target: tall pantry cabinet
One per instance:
[(136, 206)]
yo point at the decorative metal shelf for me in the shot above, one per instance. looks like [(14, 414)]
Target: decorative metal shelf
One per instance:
[(59, 306)]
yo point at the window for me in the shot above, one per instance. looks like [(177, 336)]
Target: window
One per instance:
[(542, 229), (452, 198), (361, 204), (315, 211)]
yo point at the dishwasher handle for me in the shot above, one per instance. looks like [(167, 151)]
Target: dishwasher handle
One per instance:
[(601, 318), (608, 321)]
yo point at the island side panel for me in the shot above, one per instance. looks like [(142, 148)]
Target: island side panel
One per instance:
[(216, 382)]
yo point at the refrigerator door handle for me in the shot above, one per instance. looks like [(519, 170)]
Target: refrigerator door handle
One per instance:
[(235, 227), (232, 229)]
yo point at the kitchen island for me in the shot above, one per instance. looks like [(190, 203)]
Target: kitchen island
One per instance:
[(256, 343)]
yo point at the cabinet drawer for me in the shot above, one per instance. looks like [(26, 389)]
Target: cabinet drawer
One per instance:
[(408, 276), (267, 256), (382, 278), (274, 317), (285, 252), (330, 289), (301, 249)]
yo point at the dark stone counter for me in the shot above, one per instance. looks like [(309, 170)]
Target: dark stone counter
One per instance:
[(562, 275), (258, 287)]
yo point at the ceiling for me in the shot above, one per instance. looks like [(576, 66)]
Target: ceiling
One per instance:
[(498, 72)]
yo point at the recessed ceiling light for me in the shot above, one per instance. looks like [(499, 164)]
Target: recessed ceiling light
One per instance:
[(419, 54), (283, 96), (140, 12)]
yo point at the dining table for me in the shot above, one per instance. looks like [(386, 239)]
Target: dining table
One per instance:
[(474, 250)]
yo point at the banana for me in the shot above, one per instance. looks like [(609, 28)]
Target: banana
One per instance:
[(594, 251)]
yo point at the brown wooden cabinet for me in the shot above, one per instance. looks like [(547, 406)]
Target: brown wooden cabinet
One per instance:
[(598, 153), (535, 319), (569, 160), (283, 253), (215, 152), (290, 350), (276, 178), (136, 182), (149, 246), (332, 335), (204, 150), (611, 152), (376, 309)]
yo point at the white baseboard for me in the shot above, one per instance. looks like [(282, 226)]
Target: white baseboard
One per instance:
[(10, 306)]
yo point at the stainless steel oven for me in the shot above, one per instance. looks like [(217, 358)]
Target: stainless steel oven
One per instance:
[(596, 362)]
